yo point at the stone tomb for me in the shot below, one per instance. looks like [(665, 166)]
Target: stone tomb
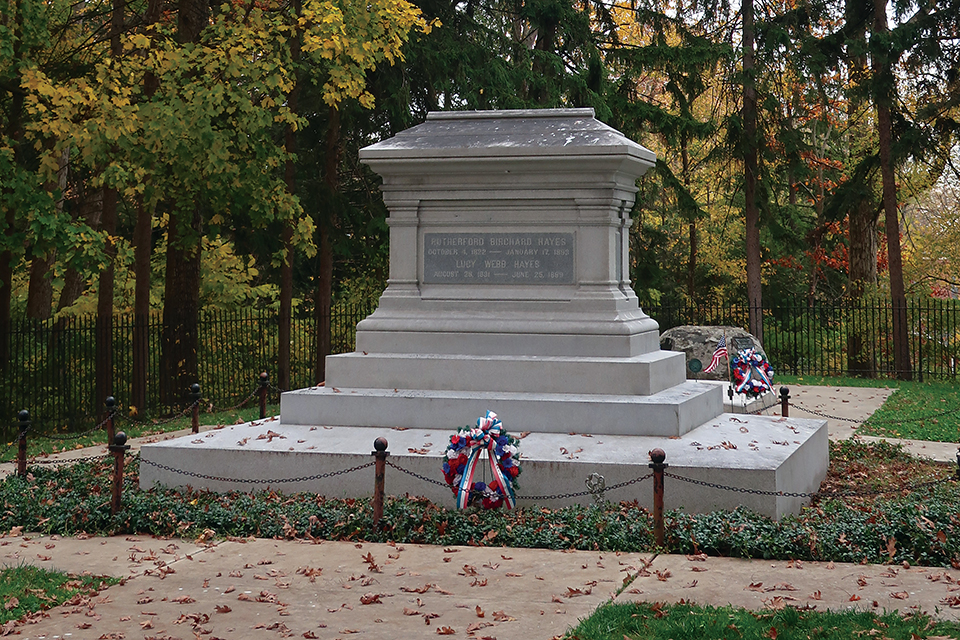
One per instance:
[(509, 290)]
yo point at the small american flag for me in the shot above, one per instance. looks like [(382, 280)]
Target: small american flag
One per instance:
[(721, 352)]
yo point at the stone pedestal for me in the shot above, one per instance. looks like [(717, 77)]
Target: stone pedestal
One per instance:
[(509, 287)]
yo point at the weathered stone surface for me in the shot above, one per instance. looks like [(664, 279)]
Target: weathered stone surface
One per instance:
[(699, 342)]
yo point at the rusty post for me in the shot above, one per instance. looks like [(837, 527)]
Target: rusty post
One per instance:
[(380, 453), (785, 402), (111, 404), (195, 396), (264, 383), (119, 449), (24, 417), (657, 457)]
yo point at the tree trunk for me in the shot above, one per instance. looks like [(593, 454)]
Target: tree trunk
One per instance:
[(750, 175), (692, 226), (181, 311), (40, 293), (286, 267), (104, 330), (322, 307), (142, 238), (883, 78), (142, 243), (181, 292), (863, 276), (15, 135)]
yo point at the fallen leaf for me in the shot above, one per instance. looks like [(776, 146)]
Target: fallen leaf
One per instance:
[(445, 631)]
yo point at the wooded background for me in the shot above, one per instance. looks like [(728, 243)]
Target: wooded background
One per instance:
[(161, 157)]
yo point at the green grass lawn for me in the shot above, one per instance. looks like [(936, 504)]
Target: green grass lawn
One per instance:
[(690, 622), (26, 589), (38, 445)]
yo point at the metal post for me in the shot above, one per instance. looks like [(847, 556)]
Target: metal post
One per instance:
[(785, 402), (119, 448), (264, 383), (195, 396), (111, 404), (380, 453), (657, 457), (24, 417)]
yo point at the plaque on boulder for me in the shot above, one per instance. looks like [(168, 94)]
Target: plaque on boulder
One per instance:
[(699, 342)]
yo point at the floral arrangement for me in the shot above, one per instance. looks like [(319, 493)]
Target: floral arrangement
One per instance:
[(752, 374), (463, 457)]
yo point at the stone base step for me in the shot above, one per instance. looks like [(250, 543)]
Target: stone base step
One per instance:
[(756, 452), (671, 412)]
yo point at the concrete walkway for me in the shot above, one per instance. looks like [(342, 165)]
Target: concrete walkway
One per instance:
[(255, 588)]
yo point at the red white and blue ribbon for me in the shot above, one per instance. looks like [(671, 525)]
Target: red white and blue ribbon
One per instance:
[(484, 438)]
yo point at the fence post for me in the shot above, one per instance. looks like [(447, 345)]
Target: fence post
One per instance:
[(380, 453), (24, 417), (119, 448), (195, 396), (111, 404), (657, 457), (785, 402), (264, 383)]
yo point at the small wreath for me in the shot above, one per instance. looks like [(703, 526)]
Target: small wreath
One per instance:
[(463, 457), (752, 374)]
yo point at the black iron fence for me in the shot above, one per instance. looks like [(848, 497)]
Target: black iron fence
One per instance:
[(52, 368), (844, 338)]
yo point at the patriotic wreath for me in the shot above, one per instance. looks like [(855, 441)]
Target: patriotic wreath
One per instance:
[(752, 374), (463, 457)]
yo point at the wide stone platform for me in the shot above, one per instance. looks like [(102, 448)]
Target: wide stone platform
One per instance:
[(766, 453)]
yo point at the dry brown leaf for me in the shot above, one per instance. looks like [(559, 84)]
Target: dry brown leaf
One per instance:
[(445, 631)]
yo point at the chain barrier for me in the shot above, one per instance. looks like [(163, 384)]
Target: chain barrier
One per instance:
[(253, 394), (816, 494), (74, 436), (876, 422), (49, 461), (556, 496), (35, 461), (757, 412), (158, 423), (203, 476)]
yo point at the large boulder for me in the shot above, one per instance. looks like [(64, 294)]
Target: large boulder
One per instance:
[(699, 343)]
